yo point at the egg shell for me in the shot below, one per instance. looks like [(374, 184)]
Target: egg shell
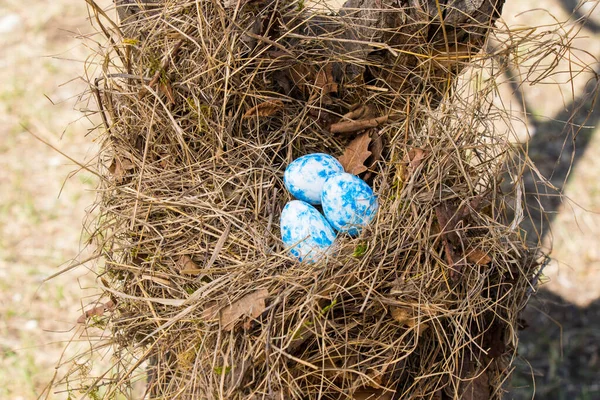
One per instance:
[(305, 176), (305, 232), (348, 203)]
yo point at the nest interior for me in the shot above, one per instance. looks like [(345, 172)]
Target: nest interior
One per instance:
[(205, 103)]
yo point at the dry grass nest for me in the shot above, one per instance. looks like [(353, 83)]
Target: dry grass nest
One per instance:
[(202, 112)]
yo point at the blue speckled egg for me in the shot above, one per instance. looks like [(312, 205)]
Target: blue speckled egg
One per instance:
[(348, 203), (305, 176), (305, 232)]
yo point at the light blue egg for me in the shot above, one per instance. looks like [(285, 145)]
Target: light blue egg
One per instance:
[(305, 176), (305, 232), (348, 203)]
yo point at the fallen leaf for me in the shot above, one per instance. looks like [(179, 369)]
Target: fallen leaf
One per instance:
[(406, 317), (402, 315), (359, 111), (447, 224), (97, 311), (324, 79), (211, 311), (478, 257), (251, 305), (376, 151), (324, 83), (376, 147), (164, 160), (266, 109), (119, 167), (477, 388), (355, 155), (357, 125), (377, 375), (415, 157), (187, 266), (300, 74)]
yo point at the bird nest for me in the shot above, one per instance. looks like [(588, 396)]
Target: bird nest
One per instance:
[(205, 103)]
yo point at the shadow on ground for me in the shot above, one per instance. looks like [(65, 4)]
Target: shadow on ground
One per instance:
[(555, 149), (559, 351)]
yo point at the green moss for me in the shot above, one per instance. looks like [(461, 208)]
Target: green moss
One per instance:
[(222, 370), (131, 42), (360, 250)]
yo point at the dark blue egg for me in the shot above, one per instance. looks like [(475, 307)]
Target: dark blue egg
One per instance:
[(304, 177), (305, 232), (348, 203)]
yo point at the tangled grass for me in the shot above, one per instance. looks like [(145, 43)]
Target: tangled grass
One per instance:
[(203, 107)]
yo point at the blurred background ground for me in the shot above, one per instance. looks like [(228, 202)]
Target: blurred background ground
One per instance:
[(42, 209), (40, 226)]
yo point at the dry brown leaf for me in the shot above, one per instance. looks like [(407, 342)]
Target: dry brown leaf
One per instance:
[(97, 311), (251, 305), (376, 147), (300, 75), (119, 167), (478, 257), (376, 151), (477, 388), (403, 316), (416, 157), (324, 84), (378, 375), (355, 155), (164, 160), (357, 125), (324, 81), (210, 311), (266, 109), (359, 111), (449, 236), (185, 262), (406, 317), (187, 266)]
